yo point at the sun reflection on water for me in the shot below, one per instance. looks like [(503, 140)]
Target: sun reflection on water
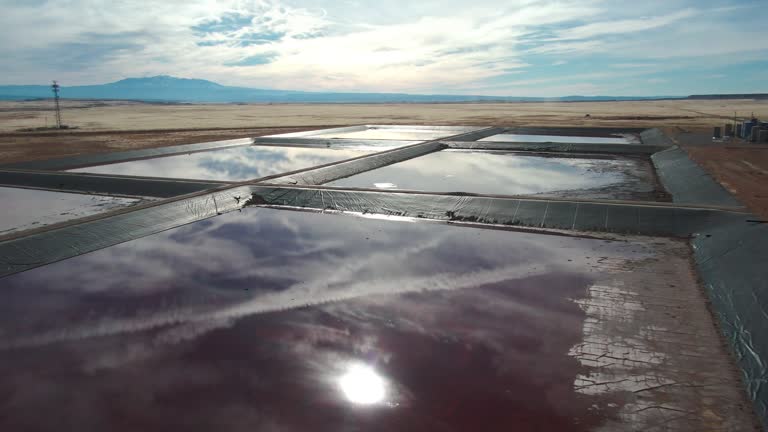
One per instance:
[(361, 384)]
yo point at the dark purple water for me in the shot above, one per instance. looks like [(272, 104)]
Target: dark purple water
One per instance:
[(278, 320)]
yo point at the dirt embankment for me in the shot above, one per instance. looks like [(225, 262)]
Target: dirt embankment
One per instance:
[(743, 170)]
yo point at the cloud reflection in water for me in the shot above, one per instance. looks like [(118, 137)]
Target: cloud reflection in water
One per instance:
[(255, 320), (234, 164)]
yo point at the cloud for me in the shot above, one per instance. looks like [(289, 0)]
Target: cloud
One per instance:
[(427, 47), (228, 22), (622, 26)]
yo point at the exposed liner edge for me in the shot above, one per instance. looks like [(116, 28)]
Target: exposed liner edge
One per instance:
[(687, 182), (79, 161)]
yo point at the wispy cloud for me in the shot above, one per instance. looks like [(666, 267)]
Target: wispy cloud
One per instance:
[(625, 26)]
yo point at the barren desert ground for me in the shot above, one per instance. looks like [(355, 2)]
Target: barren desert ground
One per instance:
[(104, 126)]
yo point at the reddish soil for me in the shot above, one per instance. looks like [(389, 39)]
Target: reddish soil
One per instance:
[(743, 170)]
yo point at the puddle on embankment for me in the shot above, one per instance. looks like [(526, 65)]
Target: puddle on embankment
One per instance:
[(295, 321), (25, 209), (617, 139), (234, 164), (510, 173)]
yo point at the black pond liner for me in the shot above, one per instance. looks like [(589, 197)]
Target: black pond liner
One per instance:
[(106, 158)]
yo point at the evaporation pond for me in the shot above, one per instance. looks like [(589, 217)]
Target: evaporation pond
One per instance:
[(234, 164), (620, 139), (271, 319), (398, 133), (28, 208), (508, 173)]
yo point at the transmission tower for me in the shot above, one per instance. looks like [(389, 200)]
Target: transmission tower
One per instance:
[(55, 88)]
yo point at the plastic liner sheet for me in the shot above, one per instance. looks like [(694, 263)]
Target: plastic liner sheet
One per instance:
[(477, 135), (103, 184), (105, 158), (655, 137), (362, 129), (404, 133), (65, 242), (615, 139), (731, 265), (25, 209), (539, 213), (571, 131), (333, 143), (688, 182), (310, 133), (577, 131), (639, 149), (345, 169)]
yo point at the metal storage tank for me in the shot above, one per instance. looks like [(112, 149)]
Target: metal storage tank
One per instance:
[(747, 129)]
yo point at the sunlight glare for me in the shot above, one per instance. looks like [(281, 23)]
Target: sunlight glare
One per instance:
[(362, 385)]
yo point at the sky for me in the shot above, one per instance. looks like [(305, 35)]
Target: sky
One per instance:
[(479, 47)]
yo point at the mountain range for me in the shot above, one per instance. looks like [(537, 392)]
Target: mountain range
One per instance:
[(170, 89)]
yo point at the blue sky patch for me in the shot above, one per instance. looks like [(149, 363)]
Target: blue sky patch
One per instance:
[(254, 60), (226, 23)]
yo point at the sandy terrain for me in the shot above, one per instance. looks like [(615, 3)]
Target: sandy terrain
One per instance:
[(105, 126), (101, 116)]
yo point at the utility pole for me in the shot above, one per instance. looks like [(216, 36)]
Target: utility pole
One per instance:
[(55, 88)]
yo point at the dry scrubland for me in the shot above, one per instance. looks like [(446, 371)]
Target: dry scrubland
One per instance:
[(105, 126), (125, 116)]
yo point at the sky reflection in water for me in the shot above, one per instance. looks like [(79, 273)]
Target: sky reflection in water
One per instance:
[(295, 321), (506, 173), (234, 164), (28, 208)]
